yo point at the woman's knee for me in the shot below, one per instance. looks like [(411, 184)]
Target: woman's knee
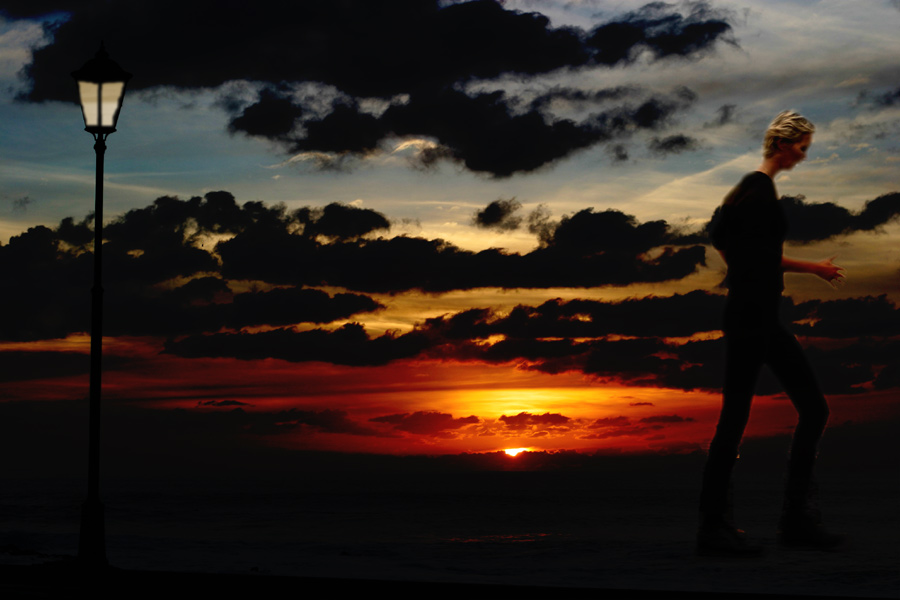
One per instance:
[(814, 415)]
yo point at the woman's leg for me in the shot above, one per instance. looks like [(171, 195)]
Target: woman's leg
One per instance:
[(801, 524), (788, 362), (743, 360)]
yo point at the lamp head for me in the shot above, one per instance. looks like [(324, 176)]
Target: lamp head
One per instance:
[(101, 87)]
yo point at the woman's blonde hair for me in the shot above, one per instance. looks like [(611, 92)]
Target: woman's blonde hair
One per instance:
[(789, 126)]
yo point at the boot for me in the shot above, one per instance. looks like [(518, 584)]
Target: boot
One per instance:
[(718, 536), (802, 531), (801, 526)]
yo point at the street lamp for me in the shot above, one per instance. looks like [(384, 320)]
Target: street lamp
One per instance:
[(101, 87)]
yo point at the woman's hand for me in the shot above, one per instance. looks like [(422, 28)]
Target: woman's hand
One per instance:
[(825, 269), (829, 271)]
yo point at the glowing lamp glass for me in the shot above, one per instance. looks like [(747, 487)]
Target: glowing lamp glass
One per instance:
[(101, 88), (100, 103)]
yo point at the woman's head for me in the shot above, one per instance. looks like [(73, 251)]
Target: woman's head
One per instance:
[(787, 129)]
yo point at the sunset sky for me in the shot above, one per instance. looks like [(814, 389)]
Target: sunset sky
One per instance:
[(425, 226)]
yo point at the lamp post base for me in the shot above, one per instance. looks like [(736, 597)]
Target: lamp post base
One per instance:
[(92, 539)]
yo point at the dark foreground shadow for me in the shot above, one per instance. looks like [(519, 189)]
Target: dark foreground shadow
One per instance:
[(67, 579)]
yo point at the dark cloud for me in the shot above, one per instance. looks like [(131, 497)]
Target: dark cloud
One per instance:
[(341, 45), (137, 311), (146, 251), (643, 360), (322, 41), (696, 365), (671, 316), (574, 97), (346, 129), (667, 419), (52, 283), (888, 377), (851, 344), (810, 222), (880, 100), (347, 345), (539, 223), (641, 341), (609, 422), (346, 222), (324, 421), (499, 215), (615, 433), (431, 423), (222, 403), (590, 232), (849, 318), (816, 221), (618, 152), (852, 368), (724, 115), (648, 427), (293, 305), (877, 212), (163, 275), (673, 144), (528, 421), (656, 29), (194, 302), (586, 249), (22, 204), (487, 133), (272, 116), (74, 234), (44, 364), (549, 356)]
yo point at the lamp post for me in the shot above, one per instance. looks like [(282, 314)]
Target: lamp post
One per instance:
[(101, 87)]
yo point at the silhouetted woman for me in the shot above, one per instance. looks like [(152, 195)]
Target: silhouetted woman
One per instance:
[(749, 230)]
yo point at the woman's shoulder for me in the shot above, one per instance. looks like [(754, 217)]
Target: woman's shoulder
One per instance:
[(762, 176), (753, 184), (757, 179)]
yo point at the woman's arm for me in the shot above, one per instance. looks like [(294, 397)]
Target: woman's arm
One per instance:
[(825, 269)]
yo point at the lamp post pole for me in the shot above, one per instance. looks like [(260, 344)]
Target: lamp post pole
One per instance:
[(92, 538), (101, 84)]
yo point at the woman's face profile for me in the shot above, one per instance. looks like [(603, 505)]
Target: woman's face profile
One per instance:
[(792, 153)]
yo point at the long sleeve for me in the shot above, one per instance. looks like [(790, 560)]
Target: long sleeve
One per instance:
[(750, 228)]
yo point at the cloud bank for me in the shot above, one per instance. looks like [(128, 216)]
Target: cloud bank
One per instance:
[(415, 61), (212, 278)]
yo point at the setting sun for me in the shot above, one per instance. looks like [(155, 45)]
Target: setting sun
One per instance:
[(515, 451)]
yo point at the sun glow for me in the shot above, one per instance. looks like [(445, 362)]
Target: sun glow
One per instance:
[(515, 451)]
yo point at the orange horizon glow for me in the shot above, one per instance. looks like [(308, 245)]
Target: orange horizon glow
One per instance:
[(488, 407)]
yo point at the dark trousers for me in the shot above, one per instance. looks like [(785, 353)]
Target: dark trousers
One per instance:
[(754, 336)]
